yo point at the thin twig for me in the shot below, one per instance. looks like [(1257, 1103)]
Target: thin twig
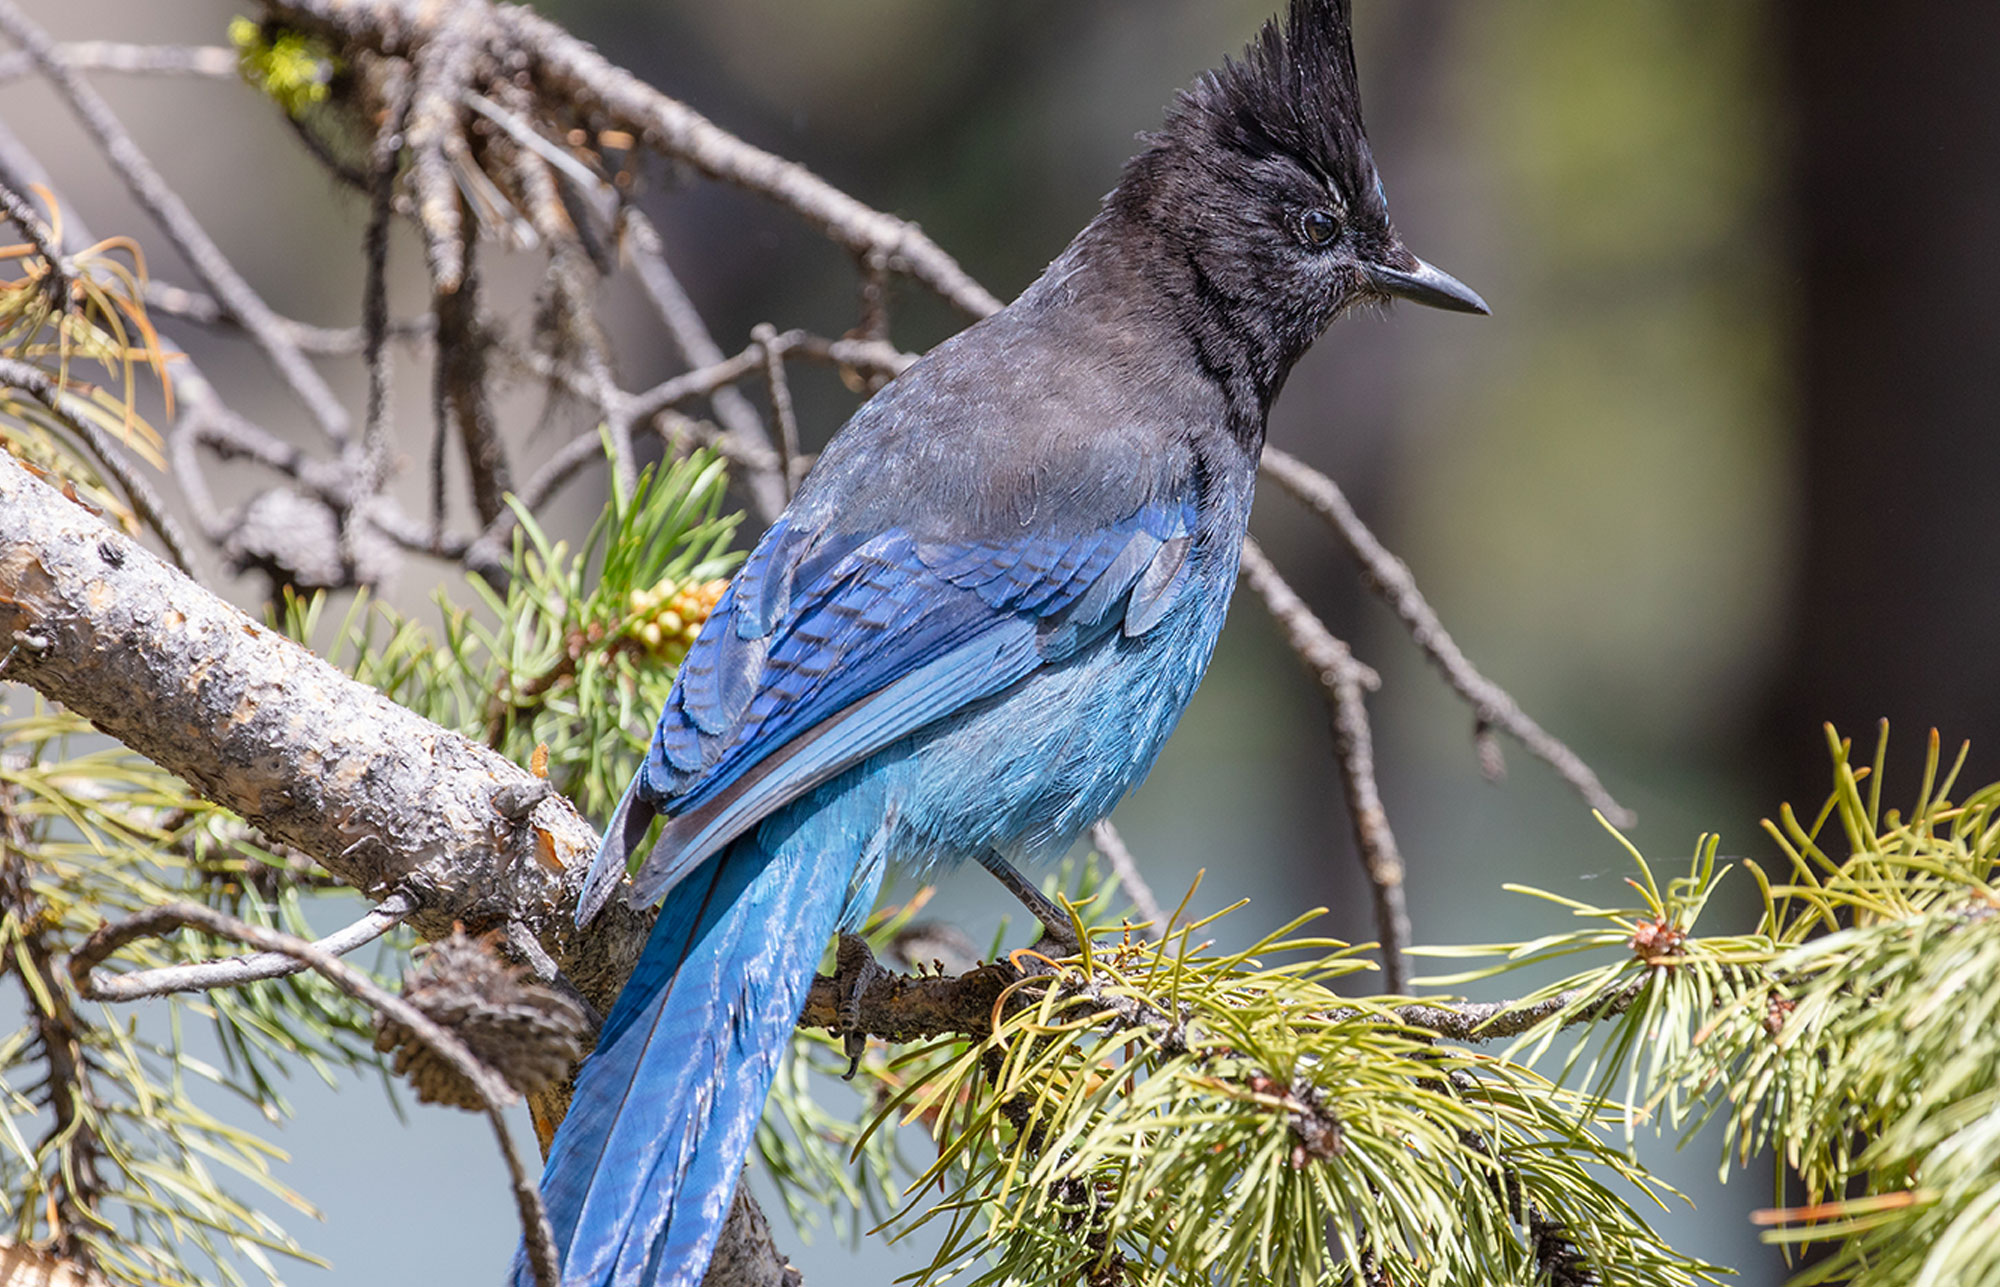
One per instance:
[(765, 335), (382, 155), (1105, 839), (229, 972), (493, 1091), (314, 341), (698, 348), (1390, 577), (177, 221), (17, 207), (1343, 680), (118, 56), (1498, 1020)]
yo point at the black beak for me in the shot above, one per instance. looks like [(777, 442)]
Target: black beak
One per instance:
[(1426, 285)]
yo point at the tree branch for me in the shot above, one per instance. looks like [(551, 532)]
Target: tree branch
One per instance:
[(493, 1091), (1343, 680), (229, 972), (383, 798), (1390, 577)]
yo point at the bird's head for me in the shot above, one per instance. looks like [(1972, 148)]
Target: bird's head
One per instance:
[(1261, 190)]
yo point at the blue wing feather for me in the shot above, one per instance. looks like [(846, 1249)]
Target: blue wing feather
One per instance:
[(828, 648)]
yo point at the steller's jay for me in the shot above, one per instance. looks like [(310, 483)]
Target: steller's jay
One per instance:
[(972, 630)]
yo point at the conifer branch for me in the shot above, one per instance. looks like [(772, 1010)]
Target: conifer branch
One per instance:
[(494, 1093)]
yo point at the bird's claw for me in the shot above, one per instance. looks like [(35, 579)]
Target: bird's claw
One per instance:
[(854, 968)]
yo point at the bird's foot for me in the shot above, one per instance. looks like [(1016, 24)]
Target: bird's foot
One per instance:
[(854, 968)]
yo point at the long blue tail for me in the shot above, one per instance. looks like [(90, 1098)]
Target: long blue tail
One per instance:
[(641, 1174)]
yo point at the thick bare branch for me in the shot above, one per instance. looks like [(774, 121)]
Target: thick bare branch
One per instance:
[(383, 798)]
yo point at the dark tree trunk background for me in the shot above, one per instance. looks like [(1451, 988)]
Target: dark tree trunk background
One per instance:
[(1896, 197)]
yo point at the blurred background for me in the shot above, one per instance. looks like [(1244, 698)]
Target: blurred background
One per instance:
[(1720, 468)]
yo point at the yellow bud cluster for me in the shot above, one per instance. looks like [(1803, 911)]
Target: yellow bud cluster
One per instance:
[(670, 614)]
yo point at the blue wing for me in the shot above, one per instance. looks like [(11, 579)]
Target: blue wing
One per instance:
[(828, 648)]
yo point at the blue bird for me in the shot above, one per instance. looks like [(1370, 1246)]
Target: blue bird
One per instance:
[(976, 624)]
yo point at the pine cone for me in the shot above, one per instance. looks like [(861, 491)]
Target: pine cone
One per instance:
[(525, 1032)]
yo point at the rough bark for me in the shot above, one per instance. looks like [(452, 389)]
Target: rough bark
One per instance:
[(384, 799)]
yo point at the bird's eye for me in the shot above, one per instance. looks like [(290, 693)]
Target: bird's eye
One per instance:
[(1318, 226)]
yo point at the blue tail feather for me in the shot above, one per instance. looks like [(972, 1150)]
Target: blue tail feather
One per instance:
[(693, 1042)]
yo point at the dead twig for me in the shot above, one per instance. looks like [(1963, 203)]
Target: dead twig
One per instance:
[(1390, 577), (764, 334), (177, 221), (493, 1092), (212, 61), (229, 972), (1105, 839), (1343, 680)]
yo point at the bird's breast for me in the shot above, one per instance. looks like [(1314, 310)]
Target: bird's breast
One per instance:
[(1029, 770)]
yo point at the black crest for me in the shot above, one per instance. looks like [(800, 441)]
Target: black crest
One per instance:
[(1294, 91)]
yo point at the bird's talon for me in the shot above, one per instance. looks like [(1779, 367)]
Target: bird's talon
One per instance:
[(854, 968)]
